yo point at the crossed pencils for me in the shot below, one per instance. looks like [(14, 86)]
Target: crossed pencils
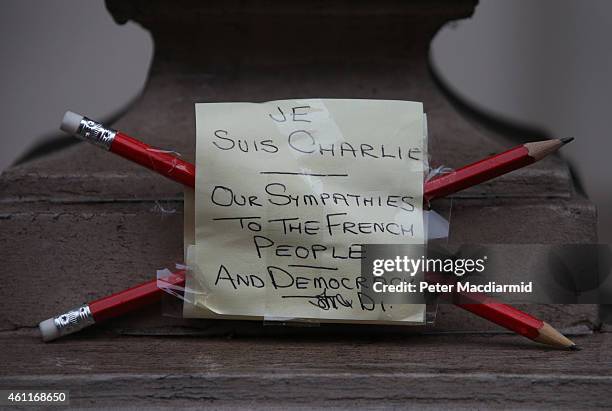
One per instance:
[(183, 172)]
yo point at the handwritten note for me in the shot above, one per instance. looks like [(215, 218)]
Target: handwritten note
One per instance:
[(286, 193)]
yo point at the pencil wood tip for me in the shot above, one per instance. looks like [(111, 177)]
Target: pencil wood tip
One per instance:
[(548, 335), (566, 140)]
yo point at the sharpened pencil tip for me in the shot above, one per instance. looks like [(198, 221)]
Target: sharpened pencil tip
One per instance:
[(566, 140), (575, 347)]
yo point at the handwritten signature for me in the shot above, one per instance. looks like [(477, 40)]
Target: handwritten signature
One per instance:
[(324, 301)]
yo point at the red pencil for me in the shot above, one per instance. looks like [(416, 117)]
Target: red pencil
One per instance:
[(148, 293), (516, 320), (167, 164), (491, 167), (109, 307), (506, 316), (161, 161), (181, 171)]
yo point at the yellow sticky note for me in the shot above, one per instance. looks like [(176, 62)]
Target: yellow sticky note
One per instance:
[(286, 193)]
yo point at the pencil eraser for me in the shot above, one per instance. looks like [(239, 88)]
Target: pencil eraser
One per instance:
[(71, 122), (48, 330)]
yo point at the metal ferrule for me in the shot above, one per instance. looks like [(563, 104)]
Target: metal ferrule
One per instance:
[(96, 133), (74, 320)]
